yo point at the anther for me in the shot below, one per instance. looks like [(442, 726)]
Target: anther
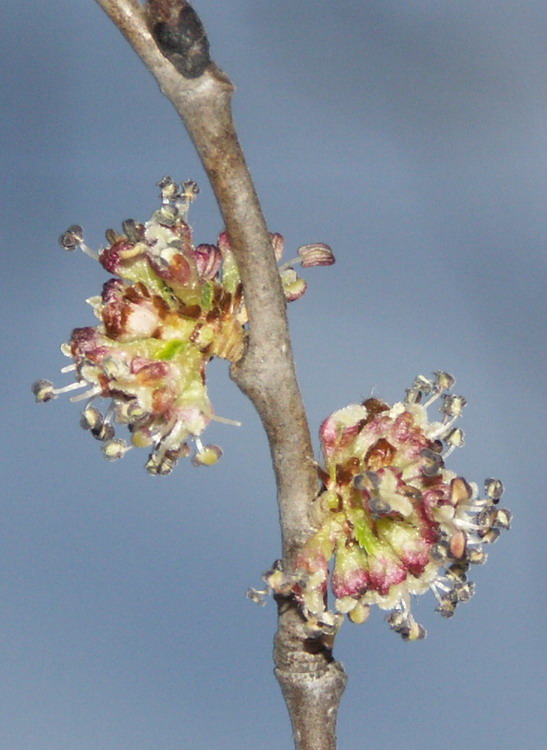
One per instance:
[(317, 254), (397, 620), (455, 438), (115, 449), (432, 462), (485, 519), (104, 431), (464, 591), (379, 507), (453, 405), (258, 596), (502, 519), (447, 607), (129, 412), (359, 614), (460, 491), (413, 396), (425, 385), (44, 390), (134, 231), (414, 632), (72, 238), (444, 381), (207, 456), (159, 466), (369, 481), (476, 556), (91, 418), (111, 236), (458, 544), (490, 536), (169, 189), (167, 216), (440, 551), (457, 572), (494, 489)]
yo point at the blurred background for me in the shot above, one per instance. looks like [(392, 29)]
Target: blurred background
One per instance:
[(412, 138)]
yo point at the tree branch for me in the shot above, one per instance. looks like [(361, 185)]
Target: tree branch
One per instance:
[(170, 40)]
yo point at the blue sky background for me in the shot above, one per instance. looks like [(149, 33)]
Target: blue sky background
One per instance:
[(412, 137)]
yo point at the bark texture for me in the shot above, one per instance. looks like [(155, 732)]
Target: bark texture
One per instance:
[(169, 38)]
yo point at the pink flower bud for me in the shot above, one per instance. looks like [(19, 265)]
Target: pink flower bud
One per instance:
[(208, 260), (316, 254)]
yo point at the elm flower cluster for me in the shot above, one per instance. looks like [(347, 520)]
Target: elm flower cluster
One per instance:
[(170, 308), (391, 520)]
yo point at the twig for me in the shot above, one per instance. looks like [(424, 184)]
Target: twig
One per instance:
[(170, 40)]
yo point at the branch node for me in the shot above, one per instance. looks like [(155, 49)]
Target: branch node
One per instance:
[(180, 35)]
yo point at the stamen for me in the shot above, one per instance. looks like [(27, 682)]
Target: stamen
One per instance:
[(289, 263), (443, 429), (425, 385), (88, 251), (73, 238), (71, 387), (95, 391), (439, 583), (454, 439), (449, 451), (431, 399), (463, 523), (258, 596), (433, 589), (225, 420)]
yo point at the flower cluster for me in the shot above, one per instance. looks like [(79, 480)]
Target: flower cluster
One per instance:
[(391, 520), (171, 308)]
